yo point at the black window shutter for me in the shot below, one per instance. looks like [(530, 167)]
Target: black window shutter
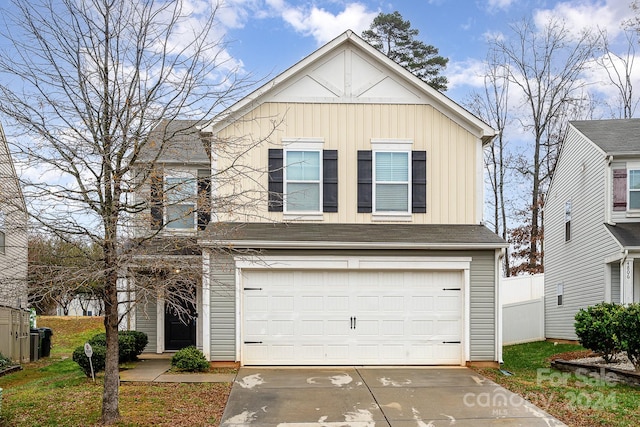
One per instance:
[(276, 186), (204, 202), (330, 180), (364, 181), (157, 195), (418, 181), (619, 189)]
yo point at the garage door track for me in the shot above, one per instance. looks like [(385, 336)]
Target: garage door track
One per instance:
[(380, 397)]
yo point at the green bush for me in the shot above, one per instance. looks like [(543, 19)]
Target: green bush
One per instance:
[(141, 341), (98, 359), (628, 331), (5, 362), (190, 359), (596, 329), (130, 344)]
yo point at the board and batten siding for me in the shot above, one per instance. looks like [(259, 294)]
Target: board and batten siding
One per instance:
[(577, 264), (223, 307), (146, 321), (453, 154), (482, 299)]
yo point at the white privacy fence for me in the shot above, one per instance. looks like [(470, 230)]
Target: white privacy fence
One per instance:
[(522, 300)]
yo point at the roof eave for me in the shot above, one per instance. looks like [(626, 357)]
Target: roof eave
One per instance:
[(270, 244)]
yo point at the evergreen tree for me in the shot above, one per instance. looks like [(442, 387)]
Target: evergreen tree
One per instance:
[(394, 37)]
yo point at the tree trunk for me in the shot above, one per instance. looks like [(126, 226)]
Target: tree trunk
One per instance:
[(110, 409)]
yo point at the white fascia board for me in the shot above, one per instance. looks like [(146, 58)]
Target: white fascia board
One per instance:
[(246, 244)]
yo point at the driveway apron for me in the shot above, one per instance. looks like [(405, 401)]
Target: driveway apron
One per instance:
[(375, 397)]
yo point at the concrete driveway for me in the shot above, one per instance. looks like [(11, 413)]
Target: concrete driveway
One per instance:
[(380, 397)]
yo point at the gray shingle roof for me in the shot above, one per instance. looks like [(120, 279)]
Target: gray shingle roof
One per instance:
[(182, 143), (612, 136), (352, 235), (627, 233)]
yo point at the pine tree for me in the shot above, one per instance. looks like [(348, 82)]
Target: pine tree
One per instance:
[(393, 36)]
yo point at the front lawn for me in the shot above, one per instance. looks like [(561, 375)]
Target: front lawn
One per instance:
[(576, 400), (55, 392)]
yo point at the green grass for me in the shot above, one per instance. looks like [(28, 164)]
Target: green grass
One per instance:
[(55, 392), (577, 401)]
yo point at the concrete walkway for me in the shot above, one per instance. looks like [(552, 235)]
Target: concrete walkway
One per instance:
[(154, 370), (375, 397)]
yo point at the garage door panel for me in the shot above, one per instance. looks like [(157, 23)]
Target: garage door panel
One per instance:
[(307, 317)]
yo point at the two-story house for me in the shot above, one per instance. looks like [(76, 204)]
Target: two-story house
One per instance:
[(592, 222), (352, 222)]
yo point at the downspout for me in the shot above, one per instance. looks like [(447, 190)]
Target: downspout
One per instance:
[(623, 282), (499, 257), (608, 192)]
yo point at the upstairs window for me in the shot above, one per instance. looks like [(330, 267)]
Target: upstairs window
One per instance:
[(302, 181), (181, 202), (391, 182), (634, 189)]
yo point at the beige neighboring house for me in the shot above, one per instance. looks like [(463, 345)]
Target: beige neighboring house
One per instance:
[(360, 210), (13, 234)]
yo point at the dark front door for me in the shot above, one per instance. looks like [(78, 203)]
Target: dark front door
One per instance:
[(180, 325)]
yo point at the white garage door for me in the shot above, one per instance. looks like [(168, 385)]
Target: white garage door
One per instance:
[(351, 317)]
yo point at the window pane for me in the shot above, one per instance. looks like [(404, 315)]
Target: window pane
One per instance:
[(303, 165), (303, 197), (180, 216), (180, 189), (634, 180), (634, 200), (392, 167), (392, 197)]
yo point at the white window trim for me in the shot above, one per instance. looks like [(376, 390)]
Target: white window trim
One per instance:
[(312, 147), (181, 174), (632, 166), (3, 247), (390, 215)]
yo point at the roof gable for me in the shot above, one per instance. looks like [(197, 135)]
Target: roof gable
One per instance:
[(349, 70)]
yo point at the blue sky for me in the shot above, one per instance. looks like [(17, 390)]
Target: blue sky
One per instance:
[(268, 36)]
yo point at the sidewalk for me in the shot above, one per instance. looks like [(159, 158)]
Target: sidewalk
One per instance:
[(154, 370)]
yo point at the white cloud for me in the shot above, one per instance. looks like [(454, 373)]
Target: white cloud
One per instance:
[(587, 14), (322, 24), (500, 4), (468, 74)]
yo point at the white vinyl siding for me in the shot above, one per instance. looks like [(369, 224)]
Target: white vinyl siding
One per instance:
[(579, 264), (302, 181), (392, 181)]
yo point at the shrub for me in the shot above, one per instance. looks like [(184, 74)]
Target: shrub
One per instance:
[(5, 362), (141, 341), (596, 329), (628, 332), (190, 359), (130, 344), (98, 359)]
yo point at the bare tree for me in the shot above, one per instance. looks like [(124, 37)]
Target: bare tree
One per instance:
[(492, 107), (619, 68), (83, 85), (545, 65)]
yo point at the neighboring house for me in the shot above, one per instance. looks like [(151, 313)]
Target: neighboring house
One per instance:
[(356, 231), (14, 319), (592, 222), (13, 234)]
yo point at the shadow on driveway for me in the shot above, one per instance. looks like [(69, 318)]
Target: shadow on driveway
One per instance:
[(380, 397)]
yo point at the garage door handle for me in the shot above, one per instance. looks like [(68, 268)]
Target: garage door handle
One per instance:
[(451, 289), (253, 342), (353, 322), (450, 342), (252, 289)]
